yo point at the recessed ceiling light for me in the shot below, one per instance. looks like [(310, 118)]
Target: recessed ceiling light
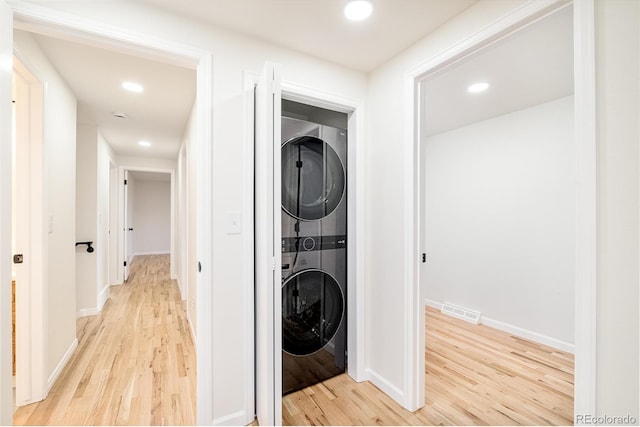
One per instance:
[(132, 87), (144, 143), (478, 87), (357, 10)]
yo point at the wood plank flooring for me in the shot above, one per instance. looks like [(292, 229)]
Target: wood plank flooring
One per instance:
[(475, 375), (135, 362)]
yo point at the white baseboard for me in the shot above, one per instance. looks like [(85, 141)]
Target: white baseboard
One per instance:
[(150, 253), (193, 332), (529, 335), (391, 390), (516, 330), (103, 296), (84, 312), (239, 418), (63, 362), (433, 304)]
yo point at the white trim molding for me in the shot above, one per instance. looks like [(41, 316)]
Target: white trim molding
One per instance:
[(356, 213), (61, 365), (585, 298), (586, 207), (379, 381)]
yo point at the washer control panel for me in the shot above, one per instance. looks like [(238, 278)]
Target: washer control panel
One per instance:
[(313, 243)]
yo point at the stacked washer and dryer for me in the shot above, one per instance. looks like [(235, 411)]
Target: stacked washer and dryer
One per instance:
[(314, 252)]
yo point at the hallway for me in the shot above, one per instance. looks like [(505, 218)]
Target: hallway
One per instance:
[(135, 363)]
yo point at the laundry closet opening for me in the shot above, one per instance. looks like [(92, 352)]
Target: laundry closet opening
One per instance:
[(314, 245)]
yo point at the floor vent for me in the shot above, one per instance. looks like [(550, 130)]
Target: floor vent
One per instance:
[(470, 316)]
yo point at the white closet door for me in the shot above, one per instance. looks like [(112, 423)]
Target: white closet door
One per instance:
[(267, 240)]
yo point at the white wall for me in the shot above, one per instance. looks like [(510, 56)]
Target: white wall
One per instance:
[(60, 164), (152, 217), (105, 156), (385, 253), (186, 232), (618, 58), (86, 214), (500, 219), (181, 223), (93, 159)]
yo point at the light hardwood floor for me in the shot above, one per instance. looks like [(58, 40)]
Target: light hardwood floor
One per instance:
[(475, 375), (135, 362)]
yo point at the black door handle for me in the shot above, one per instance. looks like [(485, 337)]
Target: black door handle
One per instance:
[(131, 229)]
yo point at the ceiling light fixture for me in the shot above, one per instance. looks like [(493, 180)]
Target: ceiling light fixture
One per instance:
[(132, 87), (478, 87), (358, 10), (144, 143)]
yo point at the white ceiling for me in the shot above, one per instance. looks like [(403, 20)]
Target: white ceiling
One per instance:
[(319, 28), (158, 115), (530, 67), (524, 70)]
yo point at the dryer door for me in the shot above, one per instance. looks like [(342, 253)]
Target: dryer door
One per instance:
[(313, 178), (312, 309)]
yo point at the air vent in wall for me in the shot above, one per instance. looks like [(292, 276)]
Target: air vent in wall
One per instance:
[(470, 316)]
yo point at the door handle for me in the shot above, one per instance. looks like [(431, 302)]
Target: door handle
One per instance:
[(18, 259)]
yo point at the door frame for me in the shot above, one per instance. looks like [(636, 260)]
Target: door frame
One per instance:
[(355, 244), (40, 19), (585, 156), (122, 215), (31, 310)]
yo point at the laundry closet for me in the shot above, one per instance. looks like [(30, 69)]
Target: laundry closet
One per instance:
[(314, 244)]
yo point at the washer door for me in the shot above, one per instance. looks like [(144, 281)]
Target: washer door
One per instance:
[(312, 307), (313, 178)]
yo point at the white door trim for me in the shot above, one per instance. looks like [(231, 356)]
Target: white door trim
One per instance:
[(585, 101), (31, 378), (268, 272), (40, 19), (6, 72), (355, 219)]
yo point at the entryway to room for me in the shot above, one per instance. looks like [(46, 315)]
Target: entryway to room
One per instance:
[(128, 250)]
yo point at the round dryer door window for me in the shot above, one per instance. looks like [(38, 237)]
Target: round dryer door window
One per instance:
[(312, 307), (313, 179)]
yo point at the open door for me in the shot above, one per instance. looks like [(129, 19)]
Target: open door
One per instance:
[(6, 53), (268, 281), (126, 230)]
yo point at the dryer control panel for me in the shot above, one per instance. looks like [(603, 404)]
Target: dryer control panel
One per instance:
[(313, 243)]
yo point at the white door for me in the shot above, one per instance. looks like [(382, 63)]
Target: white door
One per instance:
[(21, 231), (267, 240), (6, 48), (126, 234)]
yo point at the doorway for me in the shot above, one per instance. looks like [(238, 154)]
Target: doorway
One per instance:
[(583, 155), (196, 58), (148, 200), (28, 237), (266, 94)]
